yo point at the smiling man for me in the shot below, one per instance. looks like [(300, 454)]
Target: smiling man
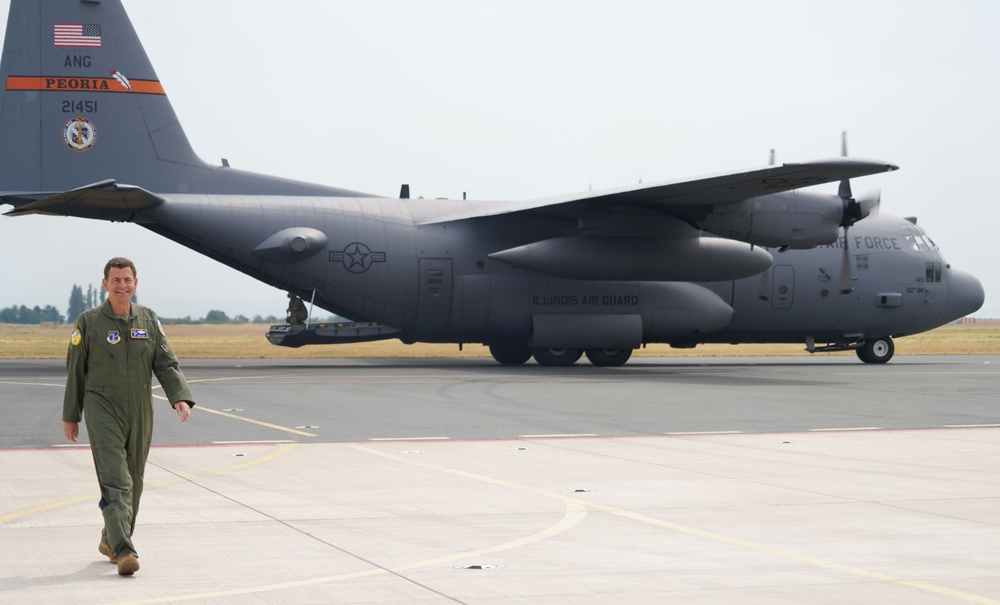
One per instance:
[(114, 351)]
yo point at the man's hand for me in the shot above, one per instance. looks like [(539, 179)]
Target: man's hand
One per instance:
[(183, 410), (71, 430)]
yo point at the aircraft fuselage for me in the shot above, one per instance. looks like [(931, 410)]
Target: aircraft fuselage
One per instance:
[(437, 282)]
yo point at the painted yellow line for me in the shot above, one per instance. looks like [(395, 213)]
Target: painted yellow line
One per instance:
[(252, 421), (33, 384), (570, 519), (50, 506), (574, 513), (799, 557), (244, 419), (227, 378), (277, 454), (94, 497), (709, 535)]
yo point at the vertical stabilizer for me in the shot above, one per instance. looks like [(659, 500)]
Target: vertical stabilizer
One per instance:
[(79, 96), (81, 103)]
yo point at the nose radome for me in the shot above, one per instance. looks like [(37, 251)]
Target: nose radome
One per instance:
[(965, 295)]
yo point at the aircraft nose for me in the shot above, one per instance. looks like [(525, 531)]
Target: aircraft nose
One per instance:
[(965, 295)]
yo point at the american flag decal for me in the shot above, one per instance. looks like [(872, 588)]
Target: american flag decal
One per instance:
[(86, 35)]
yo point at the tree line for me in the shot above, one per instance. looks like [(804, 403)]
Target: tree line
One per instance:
[(80, 301)]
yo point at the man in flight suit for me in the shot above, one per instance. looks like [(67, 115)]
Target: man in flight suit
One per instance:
[(114, 350)]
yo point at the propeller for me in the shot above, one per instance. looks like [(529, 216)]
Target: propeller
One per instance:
[(764, 291), (854, 211)]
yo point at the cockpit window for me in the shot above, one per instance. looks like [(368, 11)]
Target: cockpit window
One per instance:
[(916, 239)]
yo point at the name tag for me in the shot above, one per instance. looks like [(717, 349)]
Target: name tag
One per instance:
[(139, 334)]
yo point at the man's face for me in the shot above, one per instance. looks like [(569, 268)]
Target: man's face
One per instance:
[(120, 285)]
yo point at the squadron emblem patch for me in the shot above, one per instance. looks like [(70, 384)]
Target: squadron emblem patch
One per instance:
[(79, 134), (114, 337), (75, 337)]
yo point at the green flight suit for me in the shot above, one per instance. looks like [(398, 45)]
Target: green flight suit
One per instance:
[(109, 367)]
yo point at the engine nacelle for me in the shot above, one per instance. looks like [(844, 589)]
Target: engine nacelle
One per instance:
[(795, 220)]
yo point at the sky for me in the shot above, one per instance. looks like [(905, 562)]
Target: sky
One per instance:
[(518, 99)]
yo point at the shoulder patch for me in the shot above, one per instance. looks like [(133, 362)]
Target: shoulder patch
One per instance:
[(160, 326), (75, 337)]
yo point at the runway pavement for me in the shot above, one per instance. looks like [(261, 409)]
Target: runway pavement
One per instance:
[(731, 480)]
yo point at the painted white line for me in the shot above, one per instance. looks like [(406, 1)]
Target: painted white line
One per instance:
[(560, 435), (706, 433), (409, 438), (851, 428), (970, 426), (252, 442)]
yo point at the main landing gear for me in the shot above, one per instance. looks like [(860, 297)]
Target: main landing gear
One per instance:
[(876, 350), (558, 358)]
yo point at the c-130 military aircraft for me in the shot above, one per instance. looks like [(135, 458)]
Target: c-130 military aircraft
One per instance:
[(86, 130)]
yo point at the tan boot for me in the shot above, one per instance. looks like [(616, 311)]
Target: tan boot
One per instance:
[(128, 564), (105, 550)]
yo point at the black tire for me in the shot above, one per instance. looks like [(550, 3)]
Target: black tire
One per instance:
[(608, 358), (876, 350), (556, 358), (510, 355)]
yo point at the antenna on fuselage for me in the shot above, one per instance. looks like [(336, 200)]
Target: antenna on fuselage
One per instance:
[(404, 192)]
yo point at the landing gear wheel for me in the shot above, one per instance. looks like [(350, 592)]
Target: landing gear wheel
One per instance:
[(608, 358), (510, 355), (556, 358), (876, 350)]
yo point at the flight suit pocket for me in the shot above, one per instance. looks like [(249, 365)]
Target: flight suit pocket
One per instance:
[(98, 396), (141, 348)]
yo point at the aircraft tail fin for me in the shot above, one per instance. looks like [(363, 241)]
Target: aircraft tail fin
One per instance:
[(81, 103)]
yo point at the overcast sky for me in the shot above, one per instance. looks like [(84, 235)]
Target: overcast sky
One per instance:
[(519, 99)]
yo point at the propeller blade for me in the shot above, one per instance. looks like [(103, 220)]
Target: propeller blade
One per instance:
[(764, 293), (845, 189), (846, 287), (870, 204), (845, 185)]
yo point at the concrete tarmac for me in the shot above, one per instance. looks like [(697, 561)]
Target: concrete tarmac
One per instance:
[(784, 480)]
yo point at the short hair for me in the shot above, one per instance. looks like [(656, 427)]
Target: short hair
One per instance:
[(119, 262)]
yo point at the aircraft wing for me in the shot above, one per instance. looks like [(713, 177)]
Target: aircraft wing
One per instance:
[(704, 191), (105, 200)]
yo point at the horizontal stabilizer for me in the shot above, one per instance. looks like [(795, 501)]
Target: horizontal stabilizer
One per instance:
[(105, 200)]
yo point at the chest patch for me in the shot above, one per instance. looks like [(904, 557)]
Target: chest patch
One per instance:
[(139, 334), (114, 337)]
